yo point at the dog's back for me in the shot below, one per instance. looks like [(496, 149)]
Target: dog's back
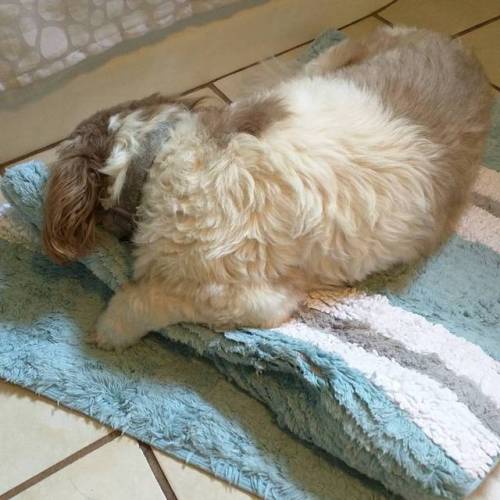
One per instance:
[(388, 135), (439, 85)]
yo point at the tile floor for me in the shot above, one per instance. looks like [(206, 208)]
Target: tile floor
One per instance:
[(48, 452)]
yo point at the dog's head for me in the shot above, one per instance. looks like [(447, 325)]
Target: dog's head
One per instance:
[(101, 168), (93, 167)]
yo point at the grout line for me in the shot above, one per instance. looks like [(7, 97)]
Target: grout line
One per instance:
[(374, 13), (277, 54), (219, 92), (208, 83), (476, 26), (59, 465), (157, 471), (27, 155), (382, 20), (194, 89), (378, 11), (196, 468), (302, 44), (243, 68)]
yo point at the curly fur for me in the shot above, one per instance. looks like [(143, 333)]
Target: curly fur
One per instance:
[(78, 184), (362, 160)]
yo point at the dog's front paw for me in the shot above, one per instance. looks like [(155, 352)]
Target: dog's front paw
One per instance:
[(111, 334)]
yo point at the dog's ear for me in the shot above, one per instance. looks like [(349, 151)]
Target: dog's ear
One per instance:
[(74, 188), (80, 179), (250, 116), (71, 200)]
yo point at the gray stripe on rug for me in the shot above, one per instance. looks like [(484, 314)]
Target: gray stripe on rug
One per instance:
[(486, 203), (362, 335)]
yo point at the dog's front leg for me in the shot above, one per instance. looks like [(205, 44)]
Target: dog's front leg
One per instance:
[(136, 309)]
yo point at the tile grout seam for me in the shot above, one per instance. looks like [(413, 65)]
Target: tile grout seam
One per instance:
[(216, 90), (476, 27), (157, 471), (373, 13), (382, 20), (53, 469), (31, 153), (278, 54)]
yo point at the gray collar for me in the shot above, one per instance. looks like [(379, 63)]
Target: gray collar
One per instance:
[(120, 219)]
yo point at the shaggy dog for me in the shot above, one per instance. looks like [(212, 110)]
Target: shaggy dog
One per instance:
[(360, 161)]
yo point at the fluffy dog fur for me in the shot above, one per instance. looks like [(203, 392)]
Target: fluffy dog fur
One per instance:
[(362, 160)]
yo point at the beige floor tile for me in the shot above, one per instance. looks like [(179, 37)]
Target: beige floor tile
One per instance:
[(259, 76), (486, 44), (48, 156), (262, 75), (490, 488), (449, 16), (182, 60), (361, 29), (190, 483), (116, 471), (35, 434)]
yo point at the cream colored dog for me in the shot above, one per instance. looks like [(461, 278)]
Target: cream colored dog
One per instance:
[(358, 162)]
